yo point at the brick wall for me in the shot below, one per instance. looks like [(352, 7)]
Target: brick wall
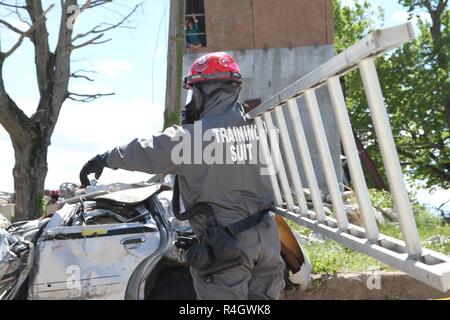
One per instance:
[(261, 24)]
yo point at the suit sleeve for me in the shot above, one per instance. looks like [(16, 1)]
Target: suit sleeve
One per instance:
[(153, 155)]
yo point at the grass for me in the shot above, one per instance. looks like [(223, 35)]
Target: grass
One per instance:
[(330, 257)]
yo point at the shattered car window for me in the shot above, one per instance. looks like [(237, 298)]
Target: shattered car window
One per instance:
[(95, 213)]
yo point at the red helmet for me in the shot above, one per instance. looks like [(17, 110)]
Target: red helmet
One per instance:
[(212, 67)]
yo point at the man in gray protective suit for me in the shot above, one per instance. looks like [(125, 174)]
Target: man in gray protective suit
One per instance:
[(222, 184)]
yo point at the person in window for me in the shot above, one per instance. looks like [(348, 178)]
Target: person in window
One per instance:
[(192, 33)]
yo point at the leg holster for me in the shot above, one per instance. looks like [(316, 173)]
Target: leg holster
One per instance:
[(217, 246)]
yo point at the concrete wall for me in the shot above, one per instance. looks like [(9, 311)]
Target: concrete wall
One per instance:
[(268, 71)]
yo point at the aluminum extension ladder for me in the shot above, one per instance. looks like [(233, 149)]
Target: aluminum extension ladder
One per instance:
[(425, 265)]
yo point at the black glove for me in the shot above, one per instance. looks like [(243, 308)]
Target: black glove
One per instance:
[(95, 165)]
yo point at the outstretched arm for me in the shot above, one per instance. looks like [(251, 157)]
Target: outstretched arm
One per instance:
[(153, 155), (148, 155)]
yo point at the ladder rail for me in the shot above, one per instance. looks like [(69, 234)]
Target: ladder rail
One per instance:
[(373, 45), (407, 255), (432, 268)]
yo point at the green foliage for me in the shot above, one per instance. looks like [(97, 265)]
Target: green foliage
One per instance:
[(420, 4), (416, 87), (381, 198), (42, 206), (415, 91), (330, 258), (428, 225), (352, 24)]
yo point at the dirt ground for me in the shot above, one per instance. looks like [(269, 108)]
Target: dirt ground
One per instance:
[(365, 286)]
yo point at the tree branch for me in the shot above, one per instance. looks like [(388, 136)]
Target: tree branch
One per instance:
[(56, 71), (15, 9), (11, 27), (12, 118), (23, 34), (437, 171), (2, 3), (99, 30), (39, 38), (4, 55), (76, 74), (87, 97), (97, 3), (89, 42)]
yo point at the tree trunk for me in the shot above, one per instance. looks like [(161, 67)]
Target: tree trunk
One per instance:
[(29, 174), (30, 136)]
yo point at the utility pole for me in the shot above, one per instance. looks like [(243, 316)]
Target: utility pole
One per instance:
[(175, 52)]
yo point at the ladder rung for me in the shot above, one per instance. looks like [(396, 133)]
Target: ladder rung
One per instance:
[(430, 267)]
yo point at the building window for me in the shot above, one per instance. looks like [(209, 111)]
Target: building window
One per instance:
[(195, 25)]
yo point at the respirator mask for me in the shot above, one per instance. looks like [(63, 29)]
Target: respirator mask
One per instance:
[(201, 93), (193, 107)]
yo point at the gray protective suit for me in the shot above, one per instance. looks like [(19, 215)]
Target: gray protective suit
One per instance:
[(216, 160)]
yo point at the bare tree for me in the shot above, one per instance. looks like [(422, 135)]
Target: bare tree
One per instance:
[(31, 136)]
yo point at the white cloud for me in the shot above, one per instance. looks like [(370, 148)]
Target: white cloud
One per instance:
[(84, 130), (114, 68)]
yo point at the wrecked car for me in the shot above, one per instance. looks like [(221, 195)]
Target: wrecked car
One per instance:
[(116, 245)]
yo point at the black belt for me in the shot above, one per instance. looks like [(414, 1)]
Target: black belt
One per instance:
[(248, 222), (218, 246)]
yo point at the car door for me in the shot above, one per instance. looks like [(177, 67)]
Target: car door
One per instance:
[(90, 262)]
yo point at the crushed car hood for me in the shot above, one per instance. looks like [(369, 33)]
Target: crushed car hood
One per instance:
[(16, 259)]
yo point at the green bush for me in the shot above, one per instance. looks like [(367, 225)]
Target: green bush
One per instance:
[(42, 206), (330, 258), (381, 199), (428, 224)]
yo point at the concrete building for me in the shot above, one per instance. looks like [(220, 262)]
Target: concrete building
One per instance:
[(275, 42)]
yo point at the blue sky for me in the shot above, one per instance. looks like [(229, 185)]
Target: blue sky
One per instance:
[(133, 65)]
